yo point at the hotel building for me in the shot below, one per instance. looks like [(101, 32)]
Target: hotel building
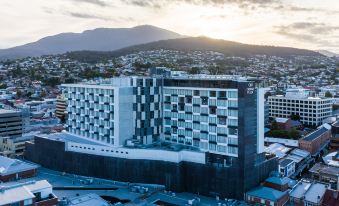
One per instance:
[(169, 131)]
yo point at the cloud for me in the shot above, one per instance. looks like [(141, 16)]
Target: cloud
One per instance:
[(94, 2), (312, 32), (86, 15), (241, 3)]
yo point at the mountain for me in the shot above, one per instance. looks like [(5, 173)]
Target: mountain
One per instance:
[(228, 48), (101, 39), (328, 53)]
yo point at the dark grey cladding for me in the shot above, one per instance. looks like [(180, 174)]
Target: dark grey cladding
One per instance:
[(208, 179)]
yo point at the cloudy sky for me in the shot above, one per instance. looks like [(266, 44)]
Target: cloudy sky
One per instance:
[(311, 24)]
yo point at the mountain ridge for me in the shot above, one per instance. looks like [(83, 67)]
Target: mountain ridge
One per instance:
[(103, 39), (228, 48)]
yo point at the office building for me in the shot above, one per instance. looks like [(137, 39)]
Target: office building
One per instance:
[(311, 110), (10, 123), (182, 129)]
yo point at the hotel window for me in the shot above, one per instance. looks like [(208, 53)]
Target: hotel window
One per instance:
[(232, 94), (212, 147), (212, 138), (222, 120), (233, 103), (204, 100), (212, 120), (196, 93), (189, 100), (213, 93), (222, 94), (222, 103)]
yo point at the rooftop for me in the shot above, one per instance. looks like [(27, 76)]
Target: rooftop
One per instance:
[(278, 149), (315, 134), (266, 193), (68, 137), (278, 180), (16, 192), (315, 192), (285, 162), (10, 166), (325, 169), (87, 200), (281, 120)]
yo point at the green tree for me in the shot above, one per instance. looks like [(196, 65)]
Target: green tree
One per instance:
[(294, 134), (295, 117), (328, 94), (194, 70)]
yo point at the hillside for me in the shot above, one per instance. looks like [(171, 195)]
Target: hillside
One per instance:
[(101, 39), (228, 48)]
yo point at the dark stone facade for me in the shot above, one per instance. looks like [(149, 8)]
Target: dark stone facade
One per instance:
[(207, 179)]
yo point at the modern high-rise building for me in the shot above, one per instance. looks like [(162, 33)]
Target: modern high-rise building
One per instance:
[(311, 110), (115, 110), (171, 131)]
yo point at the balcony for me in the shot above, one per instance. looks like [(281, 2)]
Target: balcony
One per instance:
[(48, 201)]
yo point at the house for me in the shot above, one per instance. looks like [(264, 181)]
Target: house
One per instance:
[(331, 198), (13, 169), (277, 183), (326, 173), (306, 192), (283, 123), (286, 167), (267, 196), (33, 193)]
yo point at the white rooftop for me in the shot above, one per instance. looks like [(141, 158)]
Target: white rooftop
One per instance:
[(278, 149), (88, 200), (10, 166), (10, 193)]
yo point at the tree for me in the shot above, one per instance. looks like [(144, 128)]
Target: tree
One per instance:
[(294, 134), (194, 70), (274, 125), (328, 94), (18, 93), (295, 117)]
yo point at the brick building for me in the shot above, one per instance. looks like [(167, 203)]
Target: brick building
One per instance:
[(315, 141)]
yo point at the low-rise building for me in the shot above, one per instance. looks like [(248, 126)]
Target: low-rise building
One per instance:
[(286, 167), (34, 193), (15, 146), (308, 193), (13, 169), (326, 173), (315, 141), (331, 198), (267, 196), (283, 123), (277, 183), (334, 143)]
